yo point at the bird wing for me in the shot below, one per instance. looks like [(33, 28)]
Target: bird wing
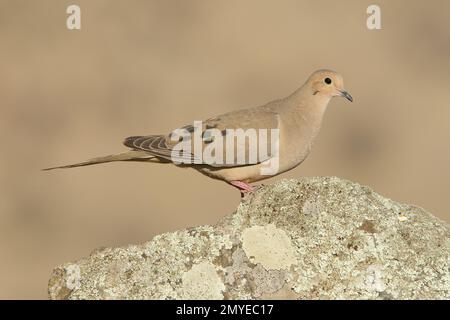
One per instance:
[(156, 145), (244, 128)]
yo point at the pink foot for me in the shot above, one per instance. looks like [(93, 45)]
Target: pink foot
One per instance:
[(242, 186)]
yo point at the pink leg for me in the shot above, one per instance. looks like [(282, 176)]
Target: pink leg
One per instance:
[(242, 186)]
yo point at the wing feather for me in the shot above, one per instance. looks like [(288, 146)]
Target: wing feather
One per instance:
[(255, 118)]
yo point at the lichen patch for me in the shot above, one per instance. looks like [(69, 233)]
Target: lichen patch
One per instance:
[(269, 246), (202, 282)]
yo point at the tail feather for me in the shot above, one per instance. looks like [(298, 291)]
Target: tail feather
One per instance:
[(126, 156)]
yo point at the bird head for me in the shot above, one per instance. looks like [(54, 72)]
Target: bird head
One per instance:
[(327, 83)]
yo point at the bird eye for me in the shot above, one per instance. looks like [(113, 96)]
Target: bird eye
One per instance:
[(327, 80)]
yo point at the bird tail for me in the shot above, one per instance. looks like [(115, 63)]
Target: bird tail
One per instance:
[(132, 155)]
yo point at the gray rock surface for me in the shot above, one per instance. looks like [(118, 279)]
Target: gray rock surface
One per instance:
[(317, 238)]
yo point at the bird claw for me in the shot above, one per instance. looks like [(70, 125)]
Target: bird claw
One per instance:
[(245, 188)]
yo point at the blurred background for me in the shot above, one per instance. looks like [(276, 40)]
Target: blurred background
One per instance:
[(142, 67)]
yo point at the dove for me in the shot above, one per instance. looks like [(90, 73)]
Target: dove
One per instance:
[(293, 122)]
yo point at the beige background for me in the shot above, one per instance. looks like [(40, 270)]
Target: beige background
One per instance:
[(141, 67)]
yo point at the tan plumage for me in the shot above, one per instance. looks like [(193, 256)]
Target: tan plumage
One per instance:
[(298, 118), (254, 118)]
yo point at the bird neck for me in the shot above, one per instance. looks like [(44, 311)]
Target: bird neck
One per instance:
[(309, 104)]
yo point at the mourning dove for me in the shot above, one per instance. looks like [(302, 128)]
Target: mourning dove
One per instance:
[(292, 123)]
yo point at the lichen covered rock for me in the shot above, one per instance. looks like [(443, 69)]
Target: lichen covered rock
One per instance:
[(317, 238)]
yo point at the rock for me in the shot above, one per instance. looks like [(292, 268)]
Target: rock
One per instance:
[(317, 238)]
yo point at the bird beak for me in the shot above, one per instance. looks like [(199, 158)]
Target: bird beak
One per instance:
[(346, 95)]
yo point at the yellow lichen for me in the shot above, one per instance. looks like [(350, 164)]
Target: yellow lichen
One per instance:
[(202, 282), (269, 246)]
